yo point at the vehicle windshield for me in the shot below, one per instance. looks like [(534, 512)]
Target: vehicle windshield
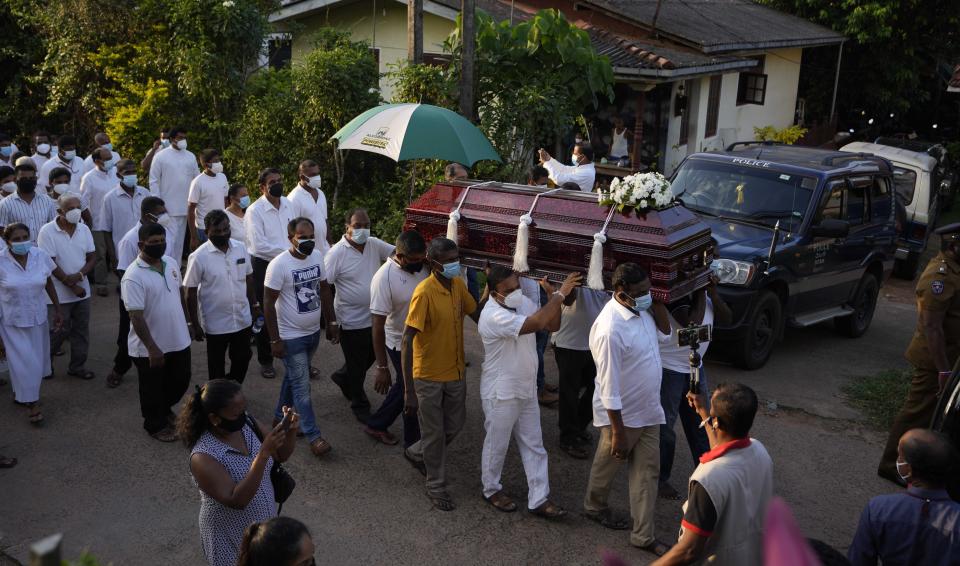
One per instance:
[(905, 181), (743, 192)]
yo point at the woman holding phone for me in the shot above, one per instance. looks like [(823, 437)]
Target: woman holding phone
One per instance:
[(230, 465)]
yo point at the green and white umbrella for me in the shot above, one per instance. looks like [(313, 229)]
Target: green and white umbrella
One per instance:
[(416, 131)]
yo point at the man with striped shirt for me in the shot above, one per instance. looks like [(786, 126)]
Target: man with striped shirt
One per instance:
[(26, 205)]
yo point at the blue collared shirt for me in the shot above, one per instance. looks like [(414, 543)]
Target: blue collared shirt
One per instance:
[(921, 526)]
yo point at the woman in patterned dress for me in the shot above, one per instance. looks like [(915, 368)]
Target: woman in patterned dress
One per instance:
[(230, 465)]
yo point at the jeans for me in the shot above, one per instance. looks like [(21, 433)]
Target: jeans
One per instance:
[(357, 346), (161, 388), (473, 283), (201, 235), (295, 389), (122, 361), (76, 325), (263, 338), (577, 380), (673, 391), (237, 344), (392, 407)]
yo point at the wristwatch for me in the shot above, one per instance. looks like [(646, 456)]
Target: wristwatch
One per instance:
[(562, 296), (334, 323)]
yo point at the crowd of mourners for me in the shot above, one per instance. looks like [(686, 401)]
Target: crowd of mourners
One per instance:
[(268, 276)]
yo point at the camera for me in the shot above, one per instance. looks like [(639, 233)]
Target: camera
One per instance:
[(694, 334)]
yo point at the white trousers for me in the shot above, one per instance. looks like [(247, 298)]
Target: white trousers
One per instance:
[(28, 358), (519, 418), (178, 227)]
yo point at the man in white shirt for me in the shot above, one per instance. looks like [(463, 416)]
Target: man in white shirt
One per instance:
[(172, 171), (266, 223), (626, 403), (27, 205), (102, 141), (66, 157), (152, 211), (41, 149), (94, 186), (220, 279), (159, 340), (576, 370), (350, 266), (120, 210), (296, 296), (208, 191), (310, 202), (508, 386), (582, 172), (70, 244), (390, 293)]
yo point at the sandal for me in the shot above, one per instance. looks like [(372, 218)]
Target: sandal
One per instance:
[(314, 373), (82, 374), (7, 462), (608, 520), (501, 502), (667, 491), (656, 547), (319, 447), (383, 436), (36, 417), (549, 510), (267, 372), (441, 501), (551, 388), (114, 380), (574, 451)]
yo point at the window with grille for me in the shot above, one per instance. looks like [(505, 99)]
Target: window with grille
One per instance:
[(713, 105)]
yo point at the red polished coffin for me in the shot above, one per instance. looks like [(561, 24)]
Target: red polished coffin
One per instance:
[(671, 244)]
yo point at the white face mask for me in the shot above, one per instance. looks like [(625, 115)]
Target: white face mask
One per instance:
[(43, 148), (905, 478), (164, 220), (69, 154), (574, 159), (54, 149), (9, 187), (216, 168), (513, 300), (73, 216), (61, 188), (314, 182), (182, 144), (360, 235)]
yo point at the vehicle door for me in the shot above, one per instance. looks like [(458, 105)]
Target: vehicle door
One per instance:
[(850, 252), (818, 261)]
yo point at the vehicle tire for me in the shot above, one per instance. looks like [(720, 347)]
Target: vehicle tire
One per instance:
[(907, 268), (763, 330), (864, 304)]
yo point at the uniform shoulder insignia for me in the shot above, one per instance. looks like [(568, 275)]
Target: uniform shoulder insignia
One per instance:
[(937, 287)]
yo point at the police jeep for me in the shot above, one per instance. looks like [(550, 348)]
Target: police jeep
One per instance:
[(802, 236)]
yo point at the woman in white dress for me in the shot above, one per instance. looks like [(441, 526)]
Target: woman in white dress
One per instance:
[(24, 332), (238, 199)]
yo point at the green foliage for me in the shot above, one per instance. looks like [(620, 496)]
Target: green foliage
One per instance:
[(788, 135), (423, 84), (85, 559), (879, 396)]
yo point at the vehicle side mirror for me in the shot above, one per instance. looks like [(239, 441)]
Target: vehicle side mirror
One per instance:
[(831, 228)]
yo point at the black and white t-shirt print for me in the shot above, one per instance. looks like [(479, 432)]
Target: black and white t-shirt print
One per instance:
[(306, 284)]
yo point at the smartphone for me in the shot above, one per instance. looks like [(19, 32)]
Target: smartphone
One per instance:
[(287, 420)]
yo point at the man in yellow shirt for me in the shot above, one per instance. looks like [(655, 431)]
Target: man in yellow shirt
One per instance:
[(433, 363)]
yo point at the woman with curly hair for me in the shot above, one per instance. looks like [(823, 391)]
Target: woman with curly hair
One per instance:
[(230, 465)]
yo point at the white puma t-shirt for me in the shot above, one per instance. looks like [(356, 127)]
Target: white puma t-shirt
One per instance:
[(298, 282)]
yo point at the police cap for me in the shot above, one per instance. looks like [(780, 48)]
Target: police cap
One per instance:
[(949, 232)]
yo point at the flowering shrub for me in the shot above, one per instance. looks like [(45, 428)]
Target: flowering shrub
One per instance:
[(640, 191)]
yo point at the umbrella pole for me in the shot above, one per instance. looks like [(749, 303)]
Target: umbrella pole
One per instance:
[(413, 180)]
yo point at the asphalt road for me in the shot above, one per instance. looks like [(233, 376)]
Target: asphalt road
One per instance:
[(94, 475)]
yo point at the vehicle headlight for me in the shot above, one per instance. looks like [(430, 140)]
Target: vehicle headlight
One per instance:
[(731, 272)]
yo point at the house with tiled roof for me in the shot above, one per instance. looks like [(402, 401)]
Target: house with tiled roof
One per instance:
[(691, 75)]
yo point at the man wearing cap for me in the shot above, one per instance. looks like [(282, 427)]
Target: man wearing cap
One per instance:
[(935, 346)]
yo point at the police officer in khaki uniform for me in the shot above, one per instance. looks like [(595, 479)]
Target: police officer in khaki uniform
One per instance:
[(935, 346)]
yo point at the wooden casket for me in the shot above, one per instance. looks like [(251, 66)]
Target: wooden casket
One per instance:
[(672, 244)]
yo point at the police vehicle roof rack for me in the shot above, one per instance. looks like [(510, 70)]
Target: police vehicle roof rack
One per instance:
[(733, 146), (832, 159)]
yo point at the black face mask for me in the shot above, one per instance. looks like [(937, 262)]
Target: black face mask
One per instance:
[(305, 247), (220, 241), (233, 425), (276, 190), (412, 267), (26, 185), (154, 251)]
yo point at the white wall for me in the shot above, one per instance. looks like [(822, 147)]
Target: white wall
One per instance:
[(736, 123)]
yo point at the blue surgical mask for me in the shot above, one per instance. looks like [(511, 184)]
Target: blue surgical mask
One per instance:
[(643, 303), (21, 248), (244, 201), (165, 142), (107, 146), (6, 150), (451, 270), (360, 235), (129, 181)]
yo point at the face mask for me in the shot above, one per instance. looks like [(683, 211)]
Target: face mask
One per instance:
[(21, 248), (73, 216), (276, 190), (412, 267), (9, 187), (69, 154), (154, 251), (61, 188), (165, 142), (220, 241), (233, 425), (244, 201), (574, 158), (27, 185), (164, 220), (305, 247), (6, 150), (54, 149), (314, 182), (360, 235), (129, 181), (451, 270), (643, 303), (43, 149), (107, 146), (182, 144), (108, 165), (904, 477), (513, 300), (216, 168)]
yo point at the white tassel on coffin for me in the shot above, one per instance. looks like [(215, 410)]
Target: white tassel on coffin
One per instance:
[(521, 250), (595, 273), (452, 224)]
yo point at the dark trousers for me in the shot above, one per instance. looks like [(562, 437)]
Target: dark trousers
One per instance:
[(263, 338), (161, 388), (357, 346), (122, 361), (543, 337), (237, 345), (392, 407), (673, 398), (576, 382), (917, 412)]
